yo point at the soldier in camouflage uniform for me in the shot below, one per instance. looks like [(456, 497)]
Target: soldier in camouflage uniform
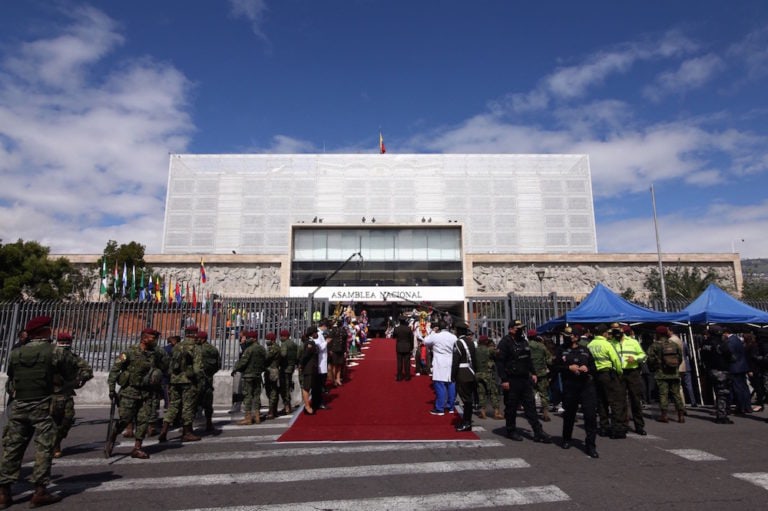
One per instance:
[(138, 370), (487, 388), (542, 360), (289, 355), (211, 365), (63, 406), (186, 372), (252, 363), (31, 369), (272, 374)]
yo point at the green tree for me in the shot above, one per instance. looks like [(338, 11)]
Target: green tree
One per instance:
[(629, 294), (684, 284), (755, 289), (117, 256), (27, 272)]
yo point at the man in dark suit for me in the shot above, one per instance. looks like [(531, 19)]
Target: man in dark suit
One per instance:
[(403, 347)]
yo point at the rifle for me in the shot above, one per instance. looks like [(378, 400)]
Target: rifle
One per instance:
[(110, 428)]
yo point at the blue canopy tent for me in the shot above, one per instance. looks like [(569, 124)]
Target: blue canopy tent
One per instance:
[(716, 306), (604, 306)]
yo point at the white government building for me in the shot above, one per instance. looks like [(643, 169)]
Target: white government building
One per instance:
[(432, 228)]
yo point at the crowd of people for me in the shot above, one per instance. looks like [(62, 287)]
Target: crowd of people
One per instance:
[(602, 371)]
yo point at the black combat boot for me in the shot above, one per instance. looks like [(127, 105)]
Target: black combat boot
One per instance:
[(189, 435), (163, 433), (42, 497), (137, 452), (5, 496)]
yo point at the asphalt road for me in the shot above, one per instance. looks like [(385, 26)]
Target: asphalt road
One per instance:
[(697, 465)]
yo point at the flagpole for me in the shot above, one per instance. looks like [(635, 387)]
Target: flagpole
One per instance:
[(658, 251)]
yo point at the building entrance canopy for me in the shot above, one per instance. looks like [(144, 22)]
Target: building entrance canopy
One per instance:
[(373, 294)]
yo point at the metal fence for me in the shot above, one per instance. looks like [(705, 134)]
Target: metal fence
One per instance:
[(101, 330), (491, 315)]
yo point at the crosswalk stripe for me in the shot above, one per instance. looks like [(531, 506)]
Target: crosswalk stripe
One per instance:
[(756, 478), (695, 455), (270, 453), (284, 476), (441, 501)]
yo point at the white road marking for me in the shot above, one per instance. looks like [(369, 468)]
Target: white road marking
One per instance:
[(756, 478), (441, 501), (285, 476), (176, 457), (695, 455)]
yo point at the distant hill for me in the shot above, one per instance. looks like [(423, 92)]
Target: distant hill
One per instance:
[(756, 269)]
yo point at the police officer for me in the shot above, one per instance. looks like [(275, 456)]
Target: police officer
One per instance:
[(716, 357), (515, 369), (138, 370), (272, 374), (577, 368), (211, 365), (612, 400), (463, 371), (63, 406), (186, 373), (251, 364), (632, 356), (31, 368), (289, 355)]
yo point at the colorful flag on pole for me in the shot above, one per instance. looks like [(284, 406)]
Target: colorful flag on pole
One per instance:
[(117, 277), (125, 276), (142, 291), (159, 291), (133, 282), (382, 148), (103, 289), (178, 293), (205, 302), (202, 271), (194, 296)]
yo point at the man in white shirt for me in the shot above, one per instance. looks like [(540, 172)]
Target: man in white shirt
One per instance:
[(322, 365), (442, 342)]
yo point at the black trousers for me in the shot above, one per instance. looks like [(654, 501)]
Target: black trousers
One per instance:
[(404, 365), (520, 392), (633, 386), (612, 402), (466, 391), (582, 393)]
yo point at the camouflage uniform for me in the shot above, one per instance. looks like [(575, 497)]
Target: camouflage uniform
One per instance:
[(272, 376), (138, 371), (542, 359), (158, 392), (211, 365), (186, 373), (29, 414), (289, 355), (63, 405), (487, 388), (252, 363), (667, 378)]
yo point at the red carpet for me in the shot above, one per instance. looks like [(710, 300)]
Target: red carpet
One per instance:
[(371, 405)]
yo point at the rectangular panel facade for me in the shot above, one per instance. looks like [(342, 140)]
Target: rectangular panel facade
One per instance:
[(506, 203)]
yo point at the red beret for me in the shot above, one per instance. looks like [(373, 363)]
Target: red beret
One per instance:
[(483, 338), (191, 330), (150, 331), (64, 337), (532, 333), (285, 333), (626, 329), (202, 334), (270, 336), (37, 323), (662, 330), (251, 334)]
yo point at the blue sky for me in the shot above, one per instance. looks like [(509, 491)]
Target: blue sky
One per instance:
[(94, 96)]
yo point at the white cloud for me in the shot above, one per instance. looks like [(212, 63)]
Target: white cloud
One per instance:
[(253, 11), (719, 229), (691, 74), (80, 161)]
